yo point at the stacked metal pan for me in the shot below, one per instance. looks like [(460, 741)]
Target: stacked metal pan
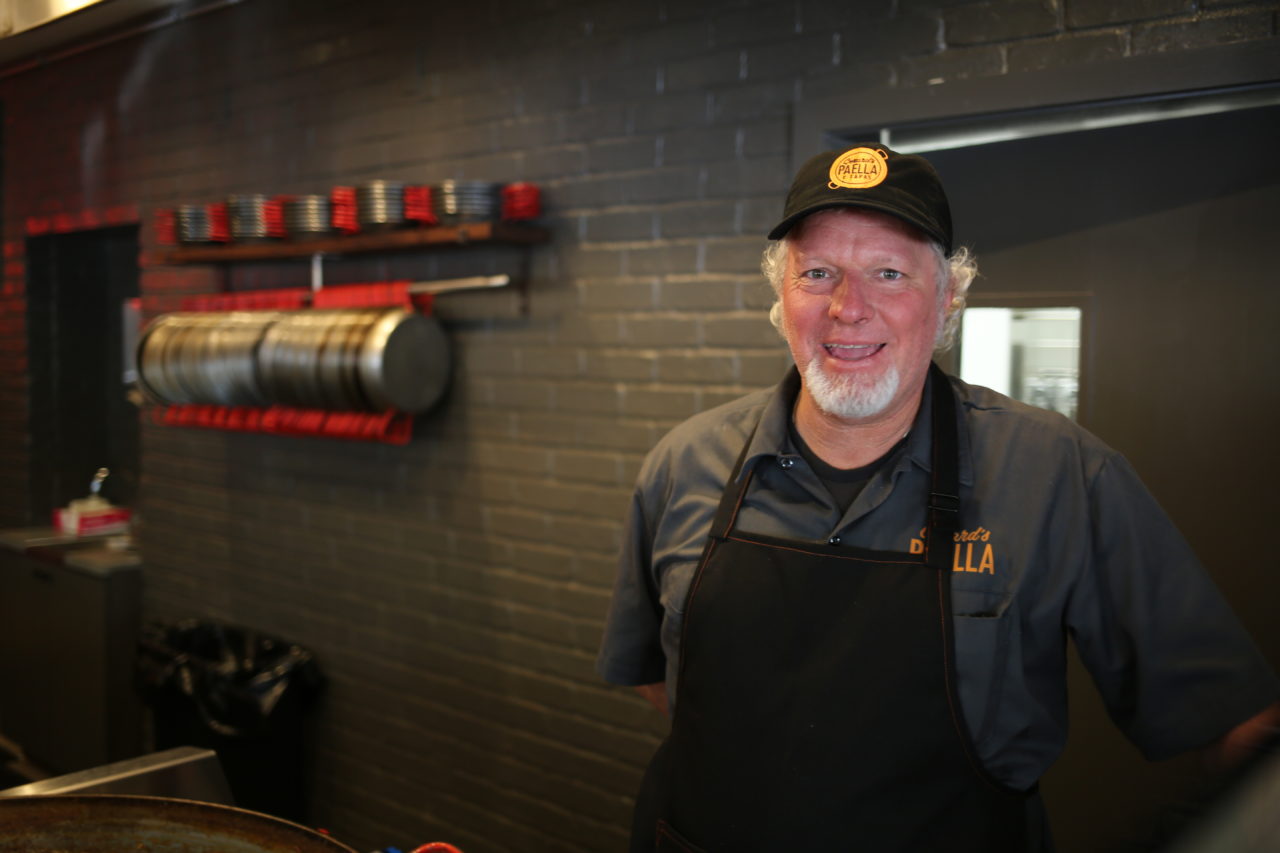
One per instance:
[(247, 215), (203, 357), (371, 359), (466, 201), (371, 206), (307, 216), (380, 204), (193, 223)]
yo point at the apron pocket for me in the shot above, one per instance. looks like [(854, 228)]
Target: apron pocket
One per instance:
[(984, 622), (670, 841)]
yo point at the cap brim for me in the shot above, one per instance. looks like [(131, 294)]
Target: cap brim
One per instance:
[(780, 230)]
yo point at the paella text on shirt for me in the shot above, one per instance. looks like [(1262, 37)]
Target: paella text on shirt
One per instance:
[(973, 551)]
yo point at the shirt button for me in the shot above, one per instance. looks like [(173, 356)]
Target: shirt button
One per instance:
[(834, 540), (787, 462)]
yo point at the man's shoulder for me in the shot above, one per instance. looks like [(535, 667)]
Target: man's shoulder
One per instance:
[(999, 421), (727, 421), (708, 438), (979, 398)]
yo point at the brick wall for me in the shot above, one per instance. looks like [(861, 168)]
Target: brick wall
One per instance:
[(454, 589)]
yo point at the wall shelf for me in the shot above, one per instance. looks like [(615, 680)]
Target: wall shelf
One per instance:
[(400, 239), (435, 237), (390, 427)]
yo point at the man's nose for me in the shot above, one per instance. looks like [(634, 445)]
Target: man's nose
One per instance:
[(849, 302)]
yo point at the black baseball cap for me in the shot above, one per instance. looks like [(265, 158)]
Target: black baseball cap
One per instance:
[(871, 176)]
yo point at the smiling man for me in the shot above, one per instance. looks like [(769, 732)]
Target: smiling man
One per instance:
[(853, 591), (860, 308)]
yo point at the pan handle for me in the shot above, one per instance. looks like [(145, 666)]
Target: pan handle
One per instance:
[(436, 847), (445, 285)]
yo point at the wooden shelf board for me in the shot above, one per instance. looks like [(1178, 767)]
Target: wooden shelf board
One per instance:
[(378, 241)]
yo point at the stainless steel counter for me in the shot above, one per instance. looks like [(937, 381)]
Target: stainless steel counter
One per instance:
[(186, 772), (96, 555)]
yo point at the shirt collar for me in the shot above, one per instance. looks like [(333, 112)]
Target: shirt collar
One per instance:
[(770, 437)]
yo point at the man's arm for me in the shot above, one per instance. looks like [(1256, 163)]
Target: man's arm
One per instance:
[(1171, 659), (656, 693), (631, 647), (1241, 742)]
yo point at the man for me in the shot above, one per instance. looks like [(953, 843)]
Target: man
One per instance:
[(854, 590)]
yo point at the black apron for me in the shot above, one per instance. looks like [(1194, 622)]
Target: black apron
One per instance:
[(817, 707)]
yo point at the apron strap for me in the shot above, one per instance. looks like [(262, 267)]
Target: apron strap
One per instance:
[(944, 491), (730, 497)]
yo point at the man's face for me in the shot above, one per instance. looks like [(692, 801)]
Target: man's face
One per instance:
[(860, 311)]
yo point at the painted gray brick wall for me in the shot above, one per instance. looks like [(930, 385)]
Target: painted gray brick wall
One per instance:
[(454, 589)]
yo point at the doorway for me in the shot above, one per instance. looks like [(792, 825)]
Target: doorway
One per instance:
[(1163, 230), (79, 417)]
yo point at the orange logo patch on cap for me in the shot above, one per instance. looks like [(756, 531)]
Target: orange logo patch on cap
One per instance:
[(859, 169)]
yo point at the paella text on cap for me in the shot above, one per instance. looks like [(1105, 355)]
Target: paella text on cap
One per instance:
[(859, 168)]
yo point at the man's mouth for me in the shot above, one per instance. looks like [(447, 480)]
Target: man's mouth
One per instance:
[(852, 352)]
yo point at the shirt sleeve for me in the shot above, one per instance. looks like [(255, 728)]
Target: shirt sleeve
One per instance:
[(631, 650), (1174, 665)]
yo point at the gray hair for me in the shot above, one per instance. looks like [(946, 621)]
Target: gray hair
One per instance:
[(959, 269)]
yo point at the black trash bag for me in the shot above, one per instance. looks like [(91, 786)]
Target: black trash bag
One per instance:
[(241, 693), (233, 677)]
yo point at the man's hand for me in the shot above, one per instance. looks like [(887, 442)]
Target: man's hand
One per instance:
[(656, 693)]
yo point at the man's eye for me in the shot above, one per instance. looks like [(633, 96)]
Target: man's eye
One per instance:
[(890, 275), (816, 274)]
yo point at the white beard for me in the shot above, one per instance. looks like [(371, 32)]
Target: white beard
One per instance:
[(845, 397)]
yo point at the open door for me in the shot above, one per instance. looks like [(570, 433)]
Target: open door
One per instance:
[(79, 417)]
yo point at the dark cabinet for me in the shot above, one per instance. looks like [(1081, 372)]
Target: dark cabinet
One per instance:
[(69, 619)]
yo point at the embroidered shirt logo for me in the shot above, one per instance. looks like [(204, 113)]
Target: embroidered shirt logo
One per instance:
[(973, 551), (859, 169)]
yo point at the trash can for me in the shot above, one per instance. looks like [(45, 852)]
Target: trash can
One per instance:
[(243, 694)]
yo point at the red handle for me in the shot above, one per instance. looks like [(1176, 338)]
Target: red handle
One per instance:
[(436, 847)]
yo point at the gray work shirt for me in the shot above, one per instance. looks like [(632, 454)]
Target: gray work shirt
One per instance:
[(1058, 537)]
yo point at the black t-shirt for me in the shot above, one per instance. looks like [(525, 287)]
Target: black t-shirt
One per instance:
[(844, 484)]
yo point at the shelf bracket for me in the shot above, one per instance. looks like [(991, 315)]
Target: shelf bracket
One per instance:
[(317, 271)]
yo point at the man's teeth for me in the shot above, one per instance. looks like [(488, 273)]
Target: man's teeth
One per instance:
[(852, 352)]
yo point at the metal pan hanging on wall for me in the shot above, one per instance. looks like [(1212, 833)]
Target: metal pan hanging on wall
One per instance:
[(340, 360), (338, 364), (199, 357), (184, 358), (286, 359), (150, 359), (233, 356), (284, 362), (404, 362), (167, 357)]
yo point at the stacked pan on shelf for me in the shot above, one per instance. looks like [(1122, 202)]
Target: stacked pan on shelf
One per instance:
[(380, 204), (194, 223), (372, 206), (466, 201), (247, 216), (307, 216), (370, 359)]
